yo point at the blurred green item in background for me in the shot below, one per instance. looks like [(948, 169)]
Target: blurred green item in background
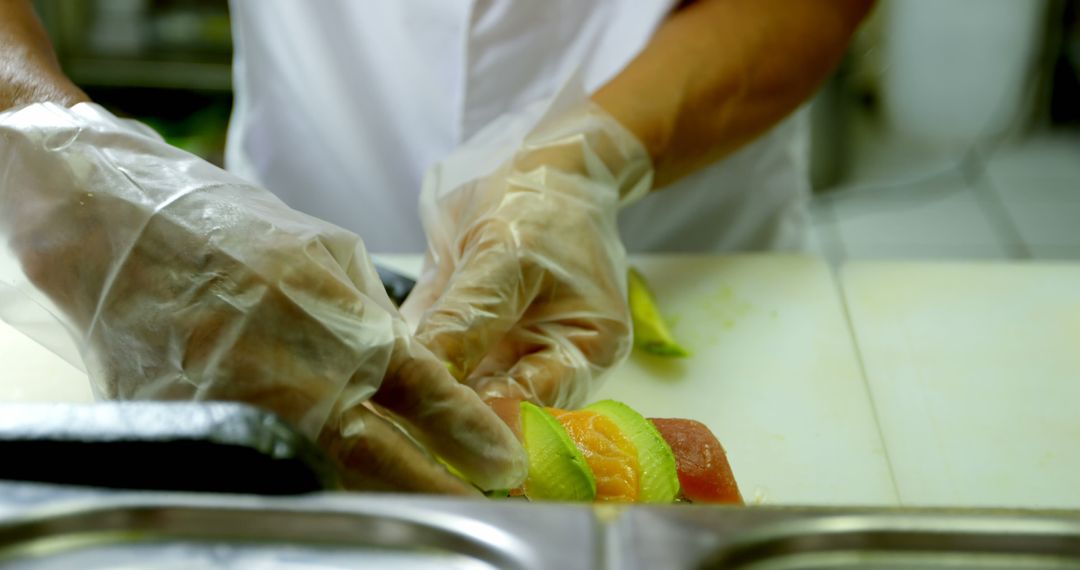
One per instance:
[(201, 133), (167, 63), (195, 121)]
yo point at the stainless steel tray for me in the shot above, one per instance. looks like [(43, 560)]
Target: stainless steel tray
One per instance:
[(329, 530), (828, 538), (46, 527)]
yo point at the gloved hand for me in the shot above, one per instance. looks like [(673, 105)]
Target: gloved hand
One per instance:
[(180, 281), (523, 288)]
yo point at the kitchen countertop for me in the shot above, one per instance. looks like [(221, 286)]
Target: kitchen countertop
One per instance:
[(814, 410)]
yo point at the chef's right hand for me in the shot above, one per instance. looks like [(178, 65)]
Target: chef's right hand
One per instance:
[(182, 282)]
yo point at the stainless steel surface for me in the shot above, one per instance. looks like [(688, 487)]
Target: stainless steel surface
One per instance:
[(108, 530), (819, 539), (44, 527)]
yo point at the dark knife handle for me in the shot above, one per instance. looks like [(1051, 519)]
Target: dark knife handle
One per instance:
[(397, 285), (214, 447)]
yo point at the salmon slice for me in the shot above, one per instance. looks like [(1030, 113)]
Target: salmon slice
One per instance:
[(704, 473), (610, 454)]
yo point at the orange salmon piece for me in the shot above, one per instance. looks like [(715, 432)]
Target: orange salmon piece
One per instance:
[(610, 454)]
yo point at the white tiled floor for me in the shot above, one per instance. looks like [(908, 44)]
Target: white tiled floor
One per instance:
[(1047, 223), (1056, 252), (903, 201)]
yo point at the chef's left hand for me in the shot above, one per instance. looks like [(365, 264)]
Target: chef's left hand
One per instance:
[(523, 288)]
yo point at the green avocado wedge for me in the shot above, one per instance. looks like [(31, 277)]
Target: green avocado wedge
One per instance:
[(651, 333), (557, 469), (659, 474)]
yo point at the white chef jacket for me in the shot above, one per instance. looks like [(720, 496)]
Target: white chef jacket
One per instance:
[(341, 106)]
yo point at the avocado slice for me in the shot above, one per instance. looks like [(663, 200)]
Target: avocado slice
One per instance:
[(557, 469), (651, 333), (659, 473)]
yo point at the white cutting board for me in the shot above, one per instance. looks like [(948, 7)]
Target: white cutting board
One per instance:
[(30, 373), (975, 373), (773, 373)]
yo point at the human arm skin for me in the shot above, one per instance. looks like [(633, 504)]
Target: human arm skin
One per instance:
[(718, 73), (29, 71)]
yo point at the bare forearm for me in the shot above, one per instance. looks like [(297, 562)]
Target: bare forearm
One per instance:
[(29, 71), (718, 73)]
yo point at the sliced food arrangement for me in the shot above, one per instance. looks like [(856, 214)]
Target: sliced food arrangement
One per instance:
[(608, 452)]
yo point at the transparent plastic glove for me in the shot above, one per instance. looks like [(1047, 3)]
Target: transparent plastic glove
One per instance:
[(523, 288), (179, 281)]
